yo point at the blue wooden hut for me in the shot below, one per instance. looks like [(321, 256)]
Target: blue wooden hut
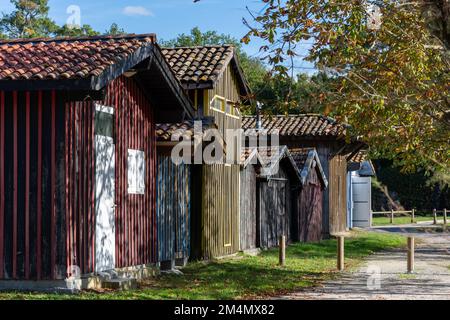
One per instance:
[(173, 199)]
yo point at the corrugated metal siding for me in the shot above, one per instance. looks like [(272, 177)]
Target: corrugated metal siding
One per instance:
[(173, 205), (47, 217), (220, 210), (248, 208), (135, 214), (32, 227), (80, 182)]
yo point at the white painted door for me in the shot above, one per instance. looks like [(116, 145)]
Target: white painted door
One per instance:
[(361, 188), (104, 197)]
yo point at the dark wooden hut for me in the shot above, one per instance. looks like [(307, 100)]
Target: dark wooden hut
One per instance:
[(307, 219), (250, 169), (328, 137), (278, 178), (78, 153)]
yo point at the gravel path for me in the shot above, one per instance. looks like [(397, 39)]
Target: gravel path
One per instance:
[(383, 275)]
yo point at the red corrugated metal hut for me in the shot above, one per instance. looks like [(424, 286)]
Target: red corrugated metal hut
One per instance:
[(78, 153)]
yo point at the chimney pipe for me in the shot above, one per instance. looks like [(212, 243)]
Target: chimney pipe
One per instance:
[(258, 115)]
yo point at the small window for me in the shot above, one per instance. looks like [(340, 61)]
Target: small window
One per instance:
[(104, 121), (229, 107), (136, 172), (218, 103)]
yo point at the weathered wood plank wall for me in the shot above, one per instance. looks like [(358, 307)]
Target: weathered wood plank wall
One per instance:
[(216, 213), (173, 205), (309, 204), (332, 218), (274, 209), (220, 210), (338, 194), (248, 208)]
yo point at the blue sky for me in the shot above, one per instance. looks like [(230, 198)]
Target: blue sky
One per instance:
[(166, 18)]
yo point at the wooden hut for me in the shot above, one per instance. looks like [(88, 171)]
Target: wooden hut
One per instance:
[(78, 153), (328, 137), (250, 169), (174, 195), (278, 179), (307, 220), (173, 209), (215, 82)]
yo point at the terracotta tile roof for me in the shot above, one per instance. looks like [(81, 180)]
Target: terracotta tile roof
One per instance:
[(272, 156), (165, 131), (199, 65), (246, 153), (65, 58), (307, 159), (250, 156), (306, 125), (359, 157)]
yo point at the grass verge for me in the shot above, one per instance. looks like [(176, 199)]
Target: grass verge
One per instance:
[(244, 276)]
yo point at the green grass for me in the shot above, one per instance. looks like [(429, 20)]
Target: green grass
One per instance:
[(407, 276), (383, 221), (247, 276)]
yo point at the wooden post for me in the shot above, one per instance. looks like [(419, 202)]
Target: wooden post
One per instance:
[(282, 250), (392, 216), (445, 219), (410, 254), (341, 253), (413, 214), (434, 216)]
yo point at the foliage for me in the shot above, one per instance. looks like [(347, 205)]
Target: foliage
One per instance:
[(246, 276), (390, 81), (413, 190), (284, 96), (68, 31), (198, 38), (115, 30), (272, 91), (30, 19)]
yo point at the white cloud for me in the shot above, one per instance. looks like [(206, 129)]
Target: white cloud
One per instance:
[(137, 11)]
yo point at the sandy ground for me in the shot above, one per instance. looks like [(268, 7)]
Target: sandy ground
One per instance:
[(383, 275)]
